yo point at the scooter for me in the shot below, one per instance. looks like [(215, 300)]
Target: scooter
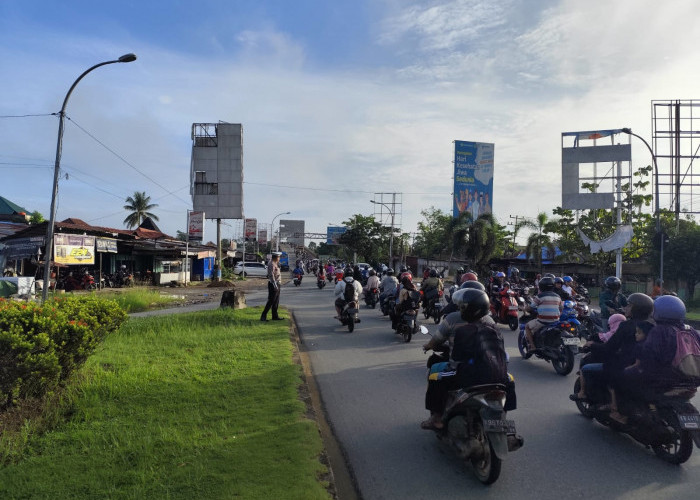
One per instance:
[(372, 297), (349, 315), (431, 304), (507, 313), (88, 282), (321, 281), (297, 279)]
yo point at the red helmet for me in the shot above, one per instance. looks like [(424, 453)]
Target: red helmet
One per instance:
[(470, 277), (406, 275)]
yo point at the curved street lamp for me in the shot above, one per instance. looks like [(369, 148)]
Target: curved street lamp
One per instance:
[(48, 247), (656, 203), (277, 240), (391, 236)]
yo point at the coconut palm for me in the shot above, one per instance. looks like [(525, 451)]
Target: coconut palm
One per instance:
[(538, 241), (139, 206), (483, 239)]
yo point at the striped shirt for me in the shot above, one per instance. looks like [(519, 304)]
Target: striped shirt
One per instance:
[(549, 307)]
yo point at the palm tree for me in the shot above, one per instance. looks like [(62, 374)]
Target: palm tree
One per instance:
[(139, 206), (458, 233), (538, 241), (482, 241)]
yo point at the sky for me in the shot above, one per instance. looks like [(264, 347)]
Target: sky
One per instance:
[(338, 100)]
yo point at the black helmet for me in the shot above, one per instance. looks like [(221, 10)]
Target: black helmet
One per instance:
[(403, 269), (473, 304), (641, 305), (558, 280), (546, 284), (669, 308), (548, 275), (613, 283), (347, 271), (472, 284), (372, 272), (433, 273), (390, 271)]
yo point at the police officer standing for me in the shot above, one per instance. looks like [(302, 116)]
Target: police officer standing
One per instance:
[(274, 278)]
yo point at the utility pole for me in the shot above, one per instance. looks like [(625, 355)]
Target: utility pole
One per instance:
[(515, 227)]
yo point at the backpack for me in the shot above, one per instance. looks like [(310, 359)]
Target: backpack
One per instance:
[(687, 358), (481, 346), (349, 292)]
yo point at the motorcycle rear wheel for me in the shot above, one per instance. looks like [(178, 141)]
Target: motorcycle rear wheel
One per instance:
[(681, 448), (521, 345), (406, 333), (565, 363), (351, 324), (486, 468), (513, 323), (436, 317)]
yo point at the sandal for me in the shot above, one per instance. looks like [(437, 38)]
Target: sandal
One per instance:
[(431, 425), (576, 397), (618, 417)]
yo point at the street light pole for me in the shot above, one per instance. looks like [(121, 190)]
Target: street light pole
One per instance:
[(277, 240), (391, 236), (656, 203), (48, 247)]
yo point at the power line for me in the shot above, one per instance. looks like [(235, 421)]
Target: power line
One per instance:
[(25, 116)]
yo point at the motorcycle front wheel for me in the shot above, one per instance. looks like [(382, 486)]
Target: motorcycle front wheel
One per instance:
[(565, 362), (521, 345), (583, 406), (487, 467), (680, 449)]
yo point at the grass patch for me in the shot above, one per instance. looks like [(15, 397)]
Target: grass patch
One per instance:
[(201, 405), (136, 300)]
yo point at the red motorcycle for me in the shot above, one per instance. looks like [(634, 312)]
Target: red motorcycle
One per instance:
[(507, 313), (88, 282)]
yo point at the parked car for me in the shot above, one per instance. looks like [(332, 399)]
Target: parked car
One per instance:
[(251, 269)]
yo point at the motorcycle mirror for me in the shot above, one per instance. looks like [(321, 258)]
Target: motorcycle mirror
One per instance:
[(423, 330)]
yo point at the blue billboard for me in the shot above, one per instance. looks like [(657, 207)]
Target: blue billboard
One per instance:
[(473, 179), (333, 233)]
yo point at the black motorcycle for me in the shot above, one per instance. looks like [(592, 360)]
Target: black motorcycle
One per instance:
[(349, 315), (431, 304), (388, 305), (665, 420), (372, 297), (321, 282), (557, 343), (407, 322)]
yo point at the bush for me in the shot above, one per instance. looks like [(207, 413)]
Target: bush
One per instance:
[(40, 345)]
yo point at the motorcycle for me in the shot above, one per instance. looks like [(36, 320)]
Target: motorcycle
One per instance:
[(475, 426), (321, 281), (372, 297), (666, 421), (297, 279), (507, 313), (349, 315), (388, 305), (407, 323), (88, 282), (557, 343), (431, 304)]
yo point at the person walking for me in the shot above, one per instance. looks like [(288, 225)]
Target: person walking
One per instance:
[(274, 278)]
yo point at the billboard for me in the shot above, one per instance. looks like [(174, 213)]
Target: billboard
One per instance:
[(333, 233), (473, 178), (251, 229), (262, 236), (195, 226), (74, 249)]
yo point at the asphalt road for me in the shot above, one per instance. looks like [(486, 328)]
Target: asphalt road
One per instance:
[(372, 385)]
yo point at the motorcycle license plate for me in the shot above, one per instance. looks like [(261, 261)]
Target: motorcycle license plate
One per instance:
[(507, 426), (689, 422), (572, 341), (512, 308)]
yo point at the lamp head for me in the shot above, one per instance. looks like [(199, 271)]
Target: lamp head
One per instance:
[(626, 130), (126, 58)]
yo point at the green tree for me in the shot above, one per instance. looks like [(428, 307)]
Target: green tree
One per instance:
[(139, 205), (181, 235), (485, 237), (432, 238), (366, 237), (36, 218), (539, 240)]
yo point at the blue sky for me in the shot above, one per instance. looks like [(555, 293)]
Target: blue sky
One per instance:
[(337, 99)]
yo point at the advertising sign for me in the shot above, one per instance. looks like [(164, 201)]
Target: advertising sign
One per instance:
[(262, 236), (333, 233), (251, 229), (74, 249), (473, 178), (195, 226), (106, 245)]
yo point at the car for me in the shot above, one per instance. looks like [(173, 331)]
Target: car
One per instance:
[(363, 265), (251, 269)]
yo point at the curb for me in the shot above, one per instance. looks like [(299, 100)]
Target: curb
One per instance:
[(343, 482)]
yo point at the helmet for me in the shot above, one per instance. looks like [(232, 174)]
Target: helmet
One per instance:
[(473, 304), (668, 308), (514, 270), (460, 270), (567, 279), (558, 281), (347, 278), (569, 304), (390, 271), (348, 271), (433, 273), (548, 275), (546, 284), (506, 284), (406, 274), (403, 269), (372, 272), (470, 276), (500, 274), (641, 305), (613, 283), (472, 284)]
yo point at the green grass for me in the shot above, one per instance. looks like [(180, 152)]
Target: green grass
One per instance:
[(141, 300), (190, 406)]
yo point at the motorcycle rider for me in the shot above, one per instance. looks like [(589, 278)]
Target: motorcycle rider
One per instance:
[(372, 281), (298, 271), (465, 330), (495, 287), (339, 291), (568, 285), (388, 286), (458, 276), (549, 306), (611, 299), (432, 282), (404, 299), (559, 288)]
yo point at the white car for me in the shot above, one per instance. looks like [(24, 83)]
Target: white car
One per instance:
[(251, 269)]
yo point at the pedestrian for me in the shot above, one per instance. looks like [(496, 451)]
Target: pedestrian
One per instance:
[(273, 288)]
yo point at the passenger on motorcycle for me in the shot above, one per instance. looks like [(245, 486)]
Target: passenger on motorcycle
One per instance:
[(432, 282), (568, 285), (458, 276), (372, 281), (559, 289), (339, 291), (464, 330), (388, 286), (452, 307), (549, 306), (611, 300), (404, 300), (321, 275)]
